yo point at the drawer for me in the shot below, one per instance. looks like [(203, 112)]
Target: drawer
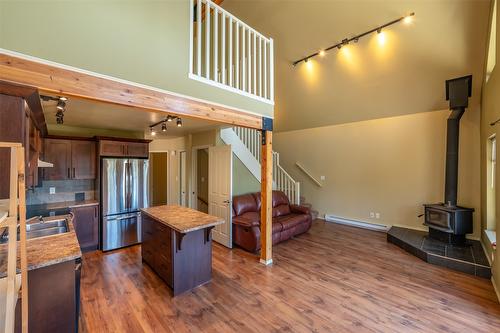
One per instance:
[(148, 254), (164, 270)]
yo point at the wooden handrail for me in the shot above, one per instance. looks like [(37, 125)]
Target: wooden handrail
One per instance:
[(317, 182)]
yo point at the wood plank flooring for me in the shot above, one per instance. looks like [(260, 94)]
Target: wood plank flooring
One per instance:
[(332, 279)]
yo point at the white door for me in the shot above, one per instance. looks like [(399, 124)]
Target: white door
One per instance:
[(182, 176), (220, 191)]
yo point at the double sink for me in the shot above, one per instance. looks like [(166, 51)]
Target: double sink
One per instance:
[(40, 228)]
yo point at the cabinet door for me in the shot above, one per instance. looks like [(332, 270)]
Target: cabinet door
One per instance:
[(137, 149), (83, 160), (86, 223), (112, 148), (57, 152)]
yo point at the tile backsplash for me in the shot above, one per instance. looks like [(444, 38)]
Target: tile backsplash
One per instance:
[(64, 191)]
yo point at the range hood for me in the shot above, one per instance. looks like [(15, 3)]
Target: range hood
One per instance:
[(43, 164)]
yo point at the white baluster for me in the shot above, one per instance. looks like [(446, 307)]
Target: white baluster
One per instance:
[(198, 37), (237, 58), (243, 55), (271, 70), (207, 40), (223, 48), (255, 63)]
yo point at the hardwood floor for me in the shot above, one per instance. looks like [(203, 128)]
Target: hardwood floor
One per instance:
[(332, 279)]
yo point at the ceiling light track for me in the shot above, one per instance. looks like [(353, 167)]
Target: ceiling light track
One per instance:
[(61, 106), (355, 39), (164, 122)]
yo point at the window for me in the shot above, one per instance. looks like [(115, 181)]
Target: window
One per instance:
[(491, 190), (490, 62)]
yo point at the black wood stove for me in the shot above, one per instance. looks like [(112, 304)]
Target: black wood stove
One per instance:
[(447, 221)]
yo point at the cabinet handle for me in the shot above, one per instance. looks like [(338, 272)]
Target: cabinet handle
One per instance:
[(74, 172), (69, 175)]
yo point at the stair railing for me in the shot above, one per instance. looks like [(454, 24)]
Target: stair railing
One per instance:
[(282, 180)]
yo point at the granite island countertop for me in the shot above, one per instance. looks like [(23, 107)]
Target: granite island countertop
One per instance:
[(46, 251), (182, 219)]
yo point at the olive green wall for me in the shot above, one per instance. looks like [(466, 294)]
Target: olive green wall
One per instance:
[(490, 112), (142, 41)]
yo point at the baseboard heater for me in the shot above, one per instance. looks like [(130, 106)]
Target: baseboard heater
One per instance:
[(356, 223)]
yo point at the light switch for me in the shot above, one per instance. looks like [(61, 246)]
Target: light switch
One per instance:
[(322, 177), (52, 190)]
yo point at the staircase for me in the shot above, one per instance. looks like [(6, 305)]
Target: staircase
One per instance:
[(246, 145)]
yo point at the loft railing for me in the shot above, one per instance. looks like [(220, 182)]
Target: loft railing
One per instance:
[(227, 53), (282, 181)]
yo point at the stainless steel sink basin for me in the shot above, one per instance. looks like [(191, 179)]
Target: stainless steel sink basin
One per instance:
[(40, 229)]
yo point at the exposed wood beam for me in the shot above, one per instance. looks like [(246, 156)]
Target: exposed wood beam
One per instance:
[(266, 192), (59, 79)]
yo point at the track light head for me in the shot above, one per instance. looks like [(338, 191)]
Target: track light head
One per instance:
[(63, 98), (61, 105), (322, 53), (170, 118), (163, 127), (179, 122), (152, 131)]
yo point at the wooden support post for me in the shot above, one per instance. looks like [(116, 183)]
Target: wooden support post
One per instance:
[(266, 212)]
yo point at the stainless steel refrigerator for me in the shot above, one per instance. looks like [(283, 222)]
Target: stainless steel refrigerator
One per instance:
[(124, 190)]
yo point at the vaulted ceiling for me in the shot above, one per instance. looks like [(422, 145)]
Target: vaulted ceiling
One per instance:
[(367, 80)]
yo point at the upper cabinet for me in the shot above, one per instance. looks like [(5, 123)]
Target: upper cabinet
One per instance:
[(72, 159), (124, 148)]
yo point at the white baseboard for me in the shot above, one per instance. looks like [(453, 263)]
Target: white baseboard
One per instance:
[(496, 289), (356, 223)]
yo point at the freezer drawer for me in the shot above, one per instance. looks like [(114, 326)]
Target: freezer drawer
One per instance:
[(121, 230)]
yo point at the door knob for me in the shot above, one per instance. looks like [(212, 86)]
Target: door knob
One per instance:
[(226, 201)]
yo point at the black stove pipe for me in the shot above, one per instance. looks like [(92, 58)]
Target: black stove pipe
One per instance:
[(458, 92), (452, 140)]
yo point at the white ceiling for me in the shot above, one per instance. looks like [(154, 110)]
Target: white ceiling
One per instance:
[(97, 115)]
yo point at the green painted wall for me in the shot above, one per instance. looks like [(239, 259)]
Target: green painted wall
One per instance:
[(243, 180), (141, 41)]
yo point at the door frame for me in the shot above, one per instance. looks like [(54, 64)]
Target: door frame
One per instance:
[(185, 177), (193, 186)]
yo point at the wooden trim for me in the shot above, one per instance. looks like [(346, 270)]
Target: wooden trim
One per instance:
[(55, 78), (30, 94), (266, 217), (110, 138), (66, 137)]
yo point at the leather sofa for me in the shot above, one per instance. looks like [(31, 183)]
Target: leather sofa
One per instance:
[(288, 220)]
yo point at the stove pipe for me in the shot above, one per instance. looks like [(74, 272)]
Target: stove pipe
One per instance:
[(458, 92)]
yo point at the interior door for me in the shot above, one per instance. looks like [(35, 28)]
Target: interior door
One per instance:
[(182, 176), (220, 191)]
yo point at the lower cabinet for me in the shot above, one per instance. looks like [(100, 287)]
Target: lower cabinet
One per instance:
[(86, 223), (157, 248), (54, 298)]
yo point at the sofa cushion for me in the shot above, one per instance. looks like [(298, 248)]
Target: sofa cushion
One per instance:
[(244, 203), (281, 210), (280, 198), (257, 198), (292, 220)]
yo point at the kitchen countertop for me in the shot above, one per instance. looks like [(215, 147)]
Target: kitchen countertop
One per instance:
[(182, 219), (46, 251)]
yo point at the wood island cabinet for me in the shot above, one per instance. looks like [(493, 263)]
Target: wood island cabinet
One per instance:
[(86, 223), (72, 159)]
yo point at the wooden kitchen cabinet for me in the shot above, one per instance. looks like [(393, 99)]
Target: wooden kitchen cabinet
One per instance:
[(72, 159), (86, 223), (114, 148)]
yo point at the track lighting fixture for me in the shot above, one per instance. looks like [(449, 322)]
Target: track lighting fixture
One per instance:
[(405, 19), (164, 122), (60, 106)]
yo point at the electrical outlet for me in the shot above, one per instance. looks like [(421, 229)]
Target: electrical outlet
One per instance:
[(372, 215), (52, 190), (377, 215)]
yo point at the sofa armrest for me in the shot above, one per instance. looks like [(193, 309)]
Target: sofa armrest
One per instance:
[(300, 209), (247, 223)]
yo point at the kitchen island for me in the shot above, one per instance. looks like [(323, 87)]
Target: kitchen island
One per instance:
[(177, 245)]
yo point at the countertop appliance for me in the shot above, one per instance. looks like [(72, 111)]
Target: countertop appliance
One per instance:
[(124, 190)]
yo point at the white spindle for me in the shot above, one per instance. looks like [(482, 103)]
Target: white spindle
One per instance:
[(254, 64), (198, 37), (216, 44), (243, 56), (207, 39), (265, 70), (237, 58), (271, 69), (230, 52), (249, 57), (260, 66), (223, 48), (191, 37)]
